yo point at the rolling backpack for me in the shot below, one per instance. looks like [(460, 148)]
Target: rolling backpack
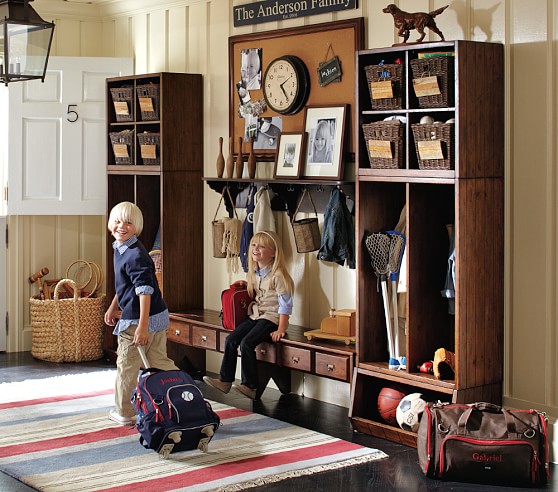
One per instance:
[(234, 305), (172, 413)]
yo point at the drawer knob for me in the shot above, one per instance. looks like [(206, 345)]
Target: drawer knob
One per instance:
[(296, 360), (331, 367), (177, 332), (204, 338)]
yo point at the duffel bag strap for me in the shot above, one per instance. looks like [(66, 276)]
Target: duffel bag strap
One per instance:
[(484, 407)]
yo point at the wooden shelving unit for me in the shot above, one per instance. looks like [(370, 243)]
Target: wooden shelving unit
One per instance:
[(169, 193), (470, 196)]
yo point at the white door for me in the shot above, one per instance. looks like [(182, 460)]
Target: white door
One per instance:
[(57, 138)]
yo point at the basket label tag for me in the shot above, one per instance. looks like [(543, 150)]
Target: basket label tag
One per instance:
[(380, 149), (426, 86), (121, 107), (382, 89), (430, 149), (120, 150), (148, 151), (146, 104)]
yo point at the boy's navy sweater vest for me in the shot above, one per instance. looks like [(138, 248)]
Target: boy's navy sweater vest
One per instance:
[(133, 269)]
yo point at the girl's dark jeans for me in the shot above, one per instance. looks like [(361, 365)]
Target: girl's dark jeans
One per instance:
[(248, 335)]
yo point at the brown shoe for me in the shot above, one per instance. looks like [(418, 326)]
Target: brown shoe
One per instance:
[(244, 390), (217, 384)]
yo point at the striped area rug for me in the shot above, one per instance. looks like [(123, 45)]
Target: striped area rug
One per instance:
[(55, 436)]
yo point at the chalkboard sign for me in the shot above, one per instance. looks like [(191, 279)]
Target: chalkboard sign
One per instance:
[(329, 71)]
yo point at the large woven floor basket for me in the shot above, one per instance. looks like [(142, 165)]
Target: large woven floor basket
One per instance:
[(67, 330)]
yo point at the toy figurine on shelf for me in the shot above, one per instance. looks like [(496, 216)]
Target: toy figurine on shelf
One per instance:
[(405, 22)]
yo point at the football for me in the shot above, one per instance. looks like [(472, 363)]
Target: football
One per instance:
[(409, 411)]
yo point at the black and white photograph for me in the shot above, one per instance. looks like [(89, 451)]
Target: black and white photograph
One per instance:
[(251, 68), (290, 153), (325, 128)]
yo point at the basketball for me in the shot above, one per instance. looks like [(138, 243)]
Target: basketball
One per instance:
[(388, 399)]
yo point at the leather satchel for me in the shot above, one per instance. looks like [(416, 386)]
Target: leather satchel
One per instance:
[(483, 443)]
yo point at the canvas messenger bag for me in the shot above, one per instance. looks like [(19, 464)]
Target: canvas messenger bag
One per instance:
[(483, 443)]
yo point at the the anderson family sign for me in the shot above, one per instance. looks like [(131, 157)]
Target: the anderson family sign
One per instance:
[(274, 10)]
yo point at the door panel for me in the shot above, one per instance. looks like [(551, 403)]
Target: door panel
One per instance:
[(57, 147)]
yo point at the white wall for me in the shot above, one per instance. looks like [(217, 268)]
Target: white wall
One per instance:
[(191, 35)]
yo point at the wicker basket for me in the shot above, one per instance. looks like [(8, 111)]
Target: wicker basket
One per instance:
[(439, 153), (67, 330), (123, 146), (440, 67), (393, 74), (148, 97), (122, 100), (158, 262), (384, 142), (150, 147)]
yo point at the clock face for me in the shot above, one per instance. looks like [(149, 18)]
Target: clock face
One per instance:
[(286, 85)]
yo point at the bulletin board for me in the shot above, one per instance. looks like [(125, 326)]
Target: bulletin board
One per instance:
[(314, 45)]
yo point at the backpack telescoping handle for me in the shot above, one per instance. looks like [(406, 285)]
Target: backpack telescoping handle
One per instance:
[(143, 357)]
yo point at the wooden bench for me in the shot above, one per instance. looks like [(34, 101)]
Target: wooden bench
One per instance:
[(195, 331)]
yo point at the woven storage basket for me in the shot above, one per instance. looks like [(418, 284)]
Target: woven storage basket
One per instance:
[(122, 100), (158, 262), (67, 330), (442, 136), (384, 131), (306, 231), (148, 97), (123, 155), (440, 67), (385, 73), (150, 147)]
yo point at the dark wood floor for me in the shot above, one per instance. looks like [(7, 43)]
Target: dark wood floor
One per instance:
[(400, 472)]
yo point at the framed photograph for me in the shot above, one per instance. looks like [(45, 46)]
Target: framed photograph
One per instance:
[(325, 126), (291, 149)]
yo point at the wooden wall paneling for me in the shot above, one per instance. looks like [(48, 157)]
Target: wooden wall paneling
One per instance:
[(158, 40), (90, 34), (177, 39), (140, 39), (123, 38)]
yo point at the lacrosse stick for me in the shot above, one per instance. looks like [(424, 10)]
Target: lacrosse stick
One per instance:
[(396, 249), (378, 245)]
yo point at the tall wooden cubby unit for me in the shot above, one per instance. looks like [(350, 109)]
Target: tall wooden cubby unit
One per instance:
[(167, 186), (470, 196)]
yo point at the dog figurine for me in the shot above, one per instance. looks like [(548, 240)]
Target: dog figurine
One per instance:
[(406, 21)]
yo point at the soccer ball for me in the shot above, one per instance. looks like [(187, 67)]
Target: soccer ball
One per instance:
[(409, 411)]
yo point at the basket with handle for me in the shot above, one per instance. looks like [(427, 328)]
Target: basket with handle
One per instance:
[(382, 77), (440, 69), (122, 100), (306, 231), (67, 330), (384, 143), (148, 98), (434, 145)]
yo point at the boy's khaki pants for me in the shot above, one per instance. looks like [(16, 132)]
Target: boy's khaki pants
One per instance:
[(128, 364)]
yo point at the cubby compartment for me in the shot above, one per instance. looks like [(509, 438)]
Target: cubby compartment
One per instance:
[(365, 414)]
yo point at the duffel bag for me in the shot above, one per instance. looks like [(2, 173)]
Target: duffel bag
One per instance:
[(483, 443)]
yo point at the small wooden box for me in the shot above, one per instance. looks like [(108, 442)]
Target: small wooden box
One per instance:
[(340, 322)]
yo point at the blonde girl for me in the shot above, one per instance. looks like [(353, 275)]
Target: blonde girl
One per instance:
[(272, 288)]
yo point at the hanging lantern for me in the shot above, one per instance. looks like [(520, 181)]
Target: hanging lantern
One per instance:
[(25, 41)]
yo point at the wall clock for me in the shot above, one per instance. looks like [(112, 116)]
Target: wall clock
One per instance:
[(286, 85)]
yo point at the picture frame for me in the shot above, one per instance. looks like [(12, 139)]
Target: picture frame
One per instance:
[(291, 149), (325, 126)]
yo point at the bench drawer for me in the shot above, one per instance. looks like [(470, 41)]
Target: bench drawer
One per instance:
[(267, 352), (296, 358), (333, 366), (179, 332), (204, 338)]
